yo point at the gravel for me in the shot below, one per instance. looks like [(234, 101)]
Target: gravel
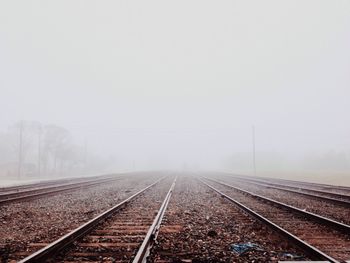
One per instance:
[(46, 219), (199, 226), (326, 239), (126, 230), (334, 211)]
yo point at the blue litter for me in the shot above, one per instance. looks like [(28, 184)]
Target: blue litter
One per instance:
[(244, 247)]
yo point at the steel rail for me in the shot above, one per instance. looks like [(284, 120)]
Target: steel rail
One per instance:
[(325, 186), (35, 193), (51, 187), (284, 188), (148, 242), (343, 228), (18, 188), (311, 251), (339, 195), (345, 196), (15, 190), (50, 183), (320, 185), (61, 243)]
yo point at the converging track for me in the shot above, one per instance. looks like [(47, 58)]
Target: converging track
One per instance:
[(320, 238), (332, 208), (124, 232), (200, 226), (38, 190), (312, 185), (336, 194), (182, 219)]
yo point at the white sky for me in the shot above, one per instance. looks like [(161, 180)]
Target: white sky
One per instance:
[(167, 82)]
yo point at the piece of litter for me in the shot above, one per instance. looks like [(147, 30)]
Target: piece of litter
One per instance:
[(244, 247), (291, 256)]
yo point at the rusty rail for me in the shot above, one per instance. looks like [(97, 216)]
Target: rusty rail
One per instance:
[(55, 247), (298, 187), (40, 192), (309, 250), (344, 228), (297, 190), (148, 242)]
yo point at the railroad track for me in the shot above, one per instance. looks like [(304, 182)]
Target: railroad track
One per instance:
[(320, 237), (338, 193), (26, 195), (31, 186), (345, 189), (344, 200), (199, 226), (49, 183), (328, 207), (122, 233)]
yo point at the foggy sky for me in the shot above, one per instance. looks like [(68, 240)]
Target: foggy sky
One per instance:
[(174, 83)]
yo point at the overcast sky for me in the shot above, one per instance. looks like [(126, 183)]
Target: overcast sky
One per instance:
[(173, 82)]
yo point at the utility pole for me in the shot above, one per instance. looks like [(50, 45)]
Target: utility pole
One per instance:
[(253, 138), (20, 150), (85, 155), (39, 150)]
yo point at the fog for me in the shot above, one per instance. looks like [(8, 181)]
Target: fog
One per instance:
[(150, 85)]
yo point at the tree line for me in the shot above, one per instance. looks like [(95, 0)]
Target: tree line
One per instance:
[(32, 149)]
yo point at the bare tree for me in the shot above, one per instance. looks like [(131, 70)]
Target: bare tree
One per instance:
[(23, 130), (56, 141), (29, 147)]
